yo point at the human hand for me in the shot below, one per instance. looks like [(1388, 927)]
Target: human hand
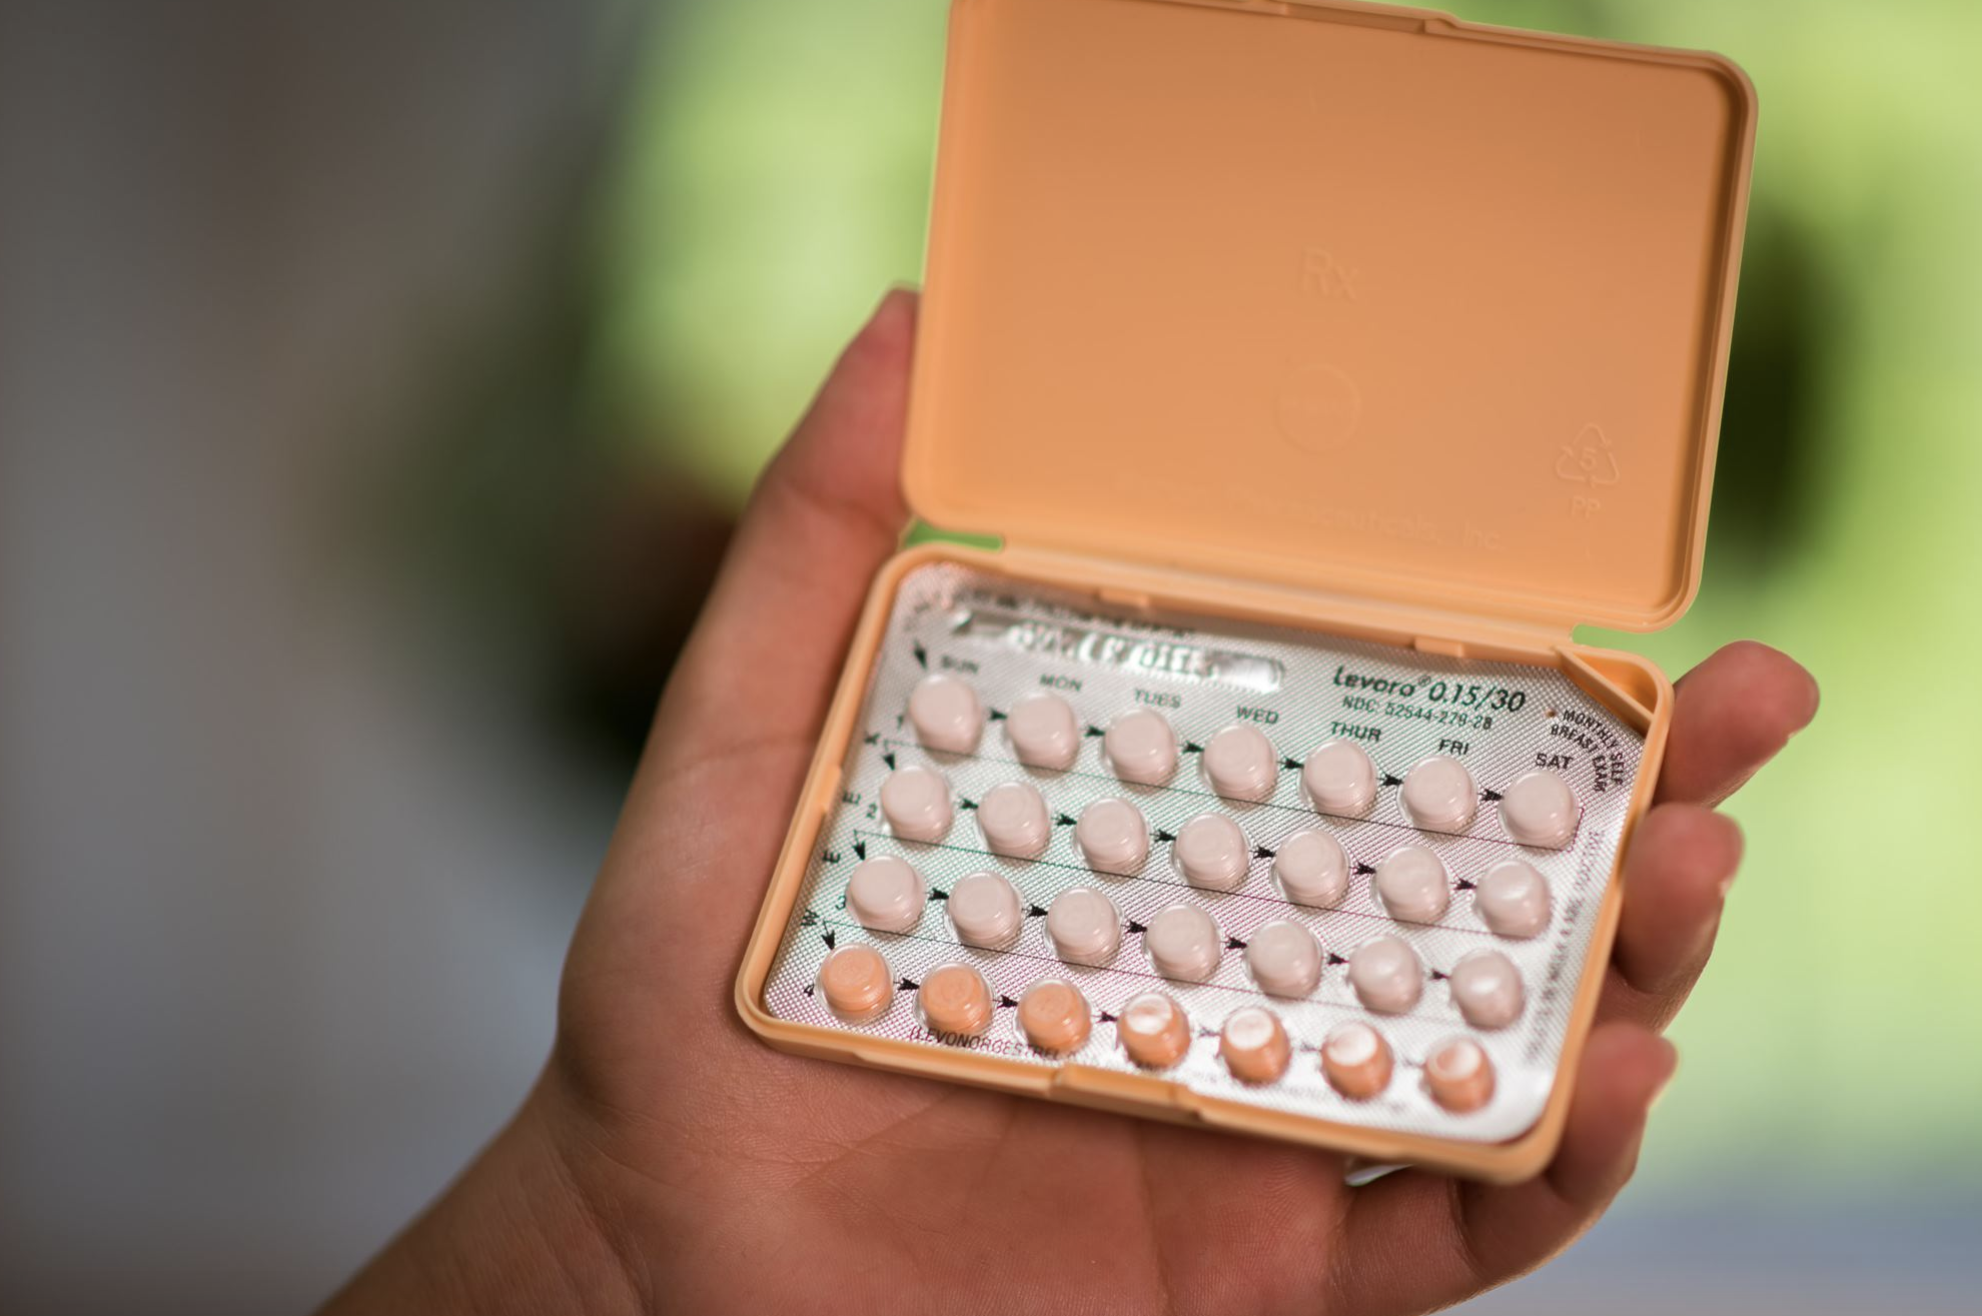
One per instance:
[(668, 1160)]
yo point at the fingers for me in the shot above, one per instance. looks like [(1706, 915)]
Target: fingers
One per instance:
[(1733, 713), (826, 514), (1676, 878), (1425, 1241)]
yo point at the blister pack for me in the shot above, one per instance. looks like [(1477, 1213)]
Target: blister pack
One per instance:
[(1319, 876)]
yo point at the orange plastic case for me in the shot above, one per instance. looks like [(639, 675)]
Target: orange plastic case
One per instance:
[(1357, 319)]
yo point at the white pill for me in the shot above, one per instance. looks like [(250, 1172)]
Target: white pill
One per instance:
[(885, 894), (1413, 885), (1312, 868), (1113, 836), (1284, 958), (986, 910), (1539, 809), (1440, 796), (1240, 764), (1084, 927), (1339, 778), (1211, 852), (916, 803), (1044, 731), (1513, 899), (1014, 820), (1487, 989), (1387, 976), (1141, 747), (946, 714), (1183, 943)]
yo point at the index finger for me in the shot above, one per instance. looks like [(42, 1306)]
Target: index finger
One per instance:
[(1733, 713)]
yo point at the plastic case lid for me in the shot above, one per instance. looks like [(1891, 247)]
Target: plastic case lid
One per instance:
[(1332, 296)]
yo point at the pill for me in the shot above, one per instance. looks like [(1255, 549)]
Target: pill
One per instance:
[(955, 1000), (885, 894), (1253, 1045), (1459, 1075), (1154, 1030), (1356, 1060), (1539, 809), (1312, 869), (1211, 852), (1113, 836), (1339, 778), (1513, 899), (1284, 958), (1014, 820), (1141, 747), (916, 803), (1044, 731), (1413, 885), (1183, 943), (1084, 927), (1055, 1016), (1240, 764), (857, 984), (1386, 975), (986, 910), (946, 714), (1487, 989), (1439, 795)]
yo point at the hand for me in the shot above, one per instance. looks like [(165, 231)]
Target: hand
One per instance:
[(668, 1160)]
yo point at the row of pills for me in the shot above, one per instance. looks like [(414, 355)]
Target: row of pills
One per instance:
[(1183, 942), (1213, 852), (1240, 763), (1153, 1030)]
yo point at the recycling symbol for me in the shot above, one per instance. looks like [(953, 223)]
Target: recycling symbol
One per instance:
[(1589, 460)]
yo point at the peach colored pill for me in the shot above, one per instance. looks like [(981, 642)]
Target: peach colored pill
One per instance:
[(1183, 943), (1212, 852), (1513, 899), (1154, 1031), (1240, 764), (986, 910), (916, 803), (1413, 885), (1312, 868), (857, 984), (1014, 820), (1387, 975), (1539, 809), (1339, 778), (1356, 1060), (885, 894), (1284, 958), (1044, 731), (955, 1000), (946, 714), (1084, 927), (1487, 989), (1141, 747), (1253, 1045), (1440, 796), (1055, 1016), (1459, 1075), (1113, 836)]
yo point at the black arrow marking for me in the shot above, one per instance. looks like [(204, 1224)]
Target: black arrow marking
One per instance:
[(907, 984), (827, 937), (1293, 765), (1007, 1003), (1035, 912), (1391, 779), (967, 804), (1233, 943), (1107, 1018), (1436, 976), (935, 894), (996, 716), (873, 738), (921, 656), (1064, 820), (1490, 796), (889, 759), (860, 848), (1466, 884), (1333, 958), (1136, 927), (1096, 731), (1162, 835), (1365, 870), (1191, 747), (1261, 852)]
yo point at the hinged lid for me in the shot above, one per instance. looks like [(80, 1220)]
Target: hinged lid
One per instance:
[(1334, 296)]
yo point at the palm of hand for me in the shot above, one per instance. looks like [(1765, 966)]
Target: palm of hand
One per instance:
[(733, 1177)]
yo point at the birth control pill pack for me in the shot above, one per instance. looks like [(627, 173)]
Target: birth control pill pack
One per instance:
[(1316, 368)]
